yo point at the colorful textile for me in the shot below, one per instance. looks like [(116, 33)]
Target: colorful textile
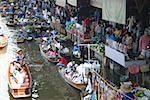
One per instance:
[(63, 61)]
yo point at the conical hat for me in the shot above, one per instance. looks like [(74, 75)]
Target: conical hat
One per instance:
[(18, 50)]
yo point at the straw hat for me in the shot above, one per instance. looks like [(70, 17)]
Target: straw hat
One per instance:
[(126, 88), (44, 38), (19, 50)]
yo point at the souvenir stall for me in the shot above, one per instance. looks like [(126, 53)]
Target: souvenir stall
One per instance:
[(125, 69)]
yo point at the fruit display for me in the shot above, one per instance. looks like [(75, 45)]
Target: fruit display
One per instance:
[(139, 93)]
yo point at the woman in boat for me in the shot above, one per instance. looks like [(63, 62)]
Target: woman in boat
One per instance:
[(17, 72), (64, 50), (16, 67), (46, 33), (51, 54), (62, 62), (20, 57)]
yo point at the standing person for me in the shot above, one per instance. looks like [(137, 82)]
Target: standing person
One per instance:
[(144, 45), (87, 93), (82, 54), (131, 21), (128, 42)]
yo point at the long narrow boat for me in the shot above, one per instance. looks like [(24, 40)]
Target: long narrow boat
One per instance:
[(19, 39), (46, 56), (19, 90), (10, 23), (69, 81), (3, 41)]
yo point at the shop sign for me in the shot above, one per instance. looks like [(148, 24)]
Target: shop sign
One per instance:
[(115, 55)]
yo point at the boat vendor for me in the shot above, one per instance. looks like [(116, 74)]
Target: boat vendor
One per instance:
[(20, 57), (72, 66), (62, 62), (53, 32), (17, 73), (47, 34), (64, 50), (16, 66), (51, 54)]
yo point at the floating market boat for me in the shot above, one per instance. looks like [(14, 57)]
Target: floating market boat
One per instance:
[(19, 38), (78, 86), (77, 75), (3, 41), (11, 23), (43, 53), (19, 82)]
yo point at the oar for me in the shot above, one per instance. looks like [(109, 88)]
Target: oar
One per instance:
[(38, 62)]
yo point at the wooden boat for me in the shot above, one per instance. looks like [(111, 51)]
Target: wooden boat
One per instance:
[(77, 86), (3, 41), (18, 90), (29, 38), (46, 56), (20, 40), (10, 23)]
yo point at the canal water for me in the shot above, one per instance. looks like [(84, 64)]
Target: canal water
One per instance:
[(50, 84)]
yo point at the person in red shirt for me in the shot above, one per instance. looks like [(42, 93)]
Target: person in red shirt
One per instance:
[(62, 62), (144, 43)]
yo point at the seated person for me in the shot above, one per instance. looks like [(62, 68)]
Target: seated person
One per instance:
[(20, 57), (62, 62), (52, 54), (71, 64), (53, 32), (17, 72), (15, 67), (64, 50)]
